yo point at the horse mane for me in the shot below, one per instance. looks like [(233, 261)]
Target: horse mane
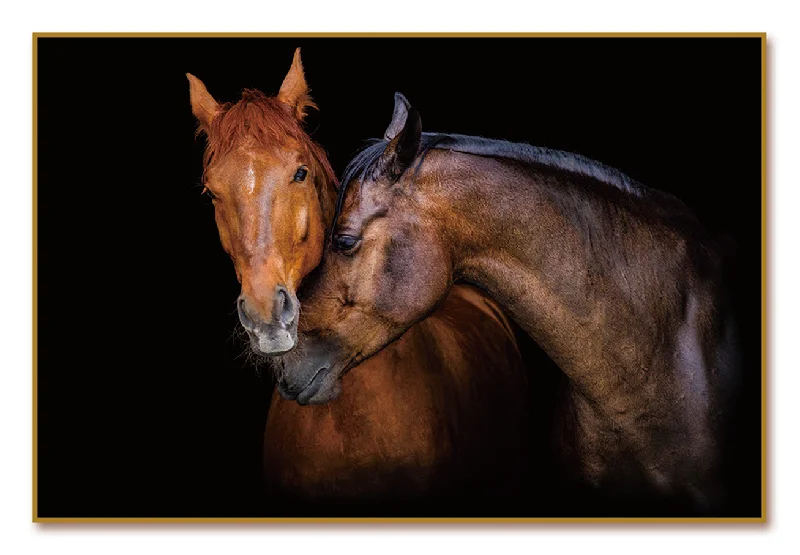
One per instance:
[(366, 160), (260, 120), (659, 204), (365, 163)]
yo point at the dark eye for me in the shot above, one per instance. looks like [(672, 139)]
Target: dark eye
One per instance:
[(207, 191), (346, 243), (301, 174)]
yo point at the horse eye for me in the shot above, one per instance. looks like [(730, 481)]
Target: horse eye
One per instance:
[(346, 243), (301, 174), (207, 191)]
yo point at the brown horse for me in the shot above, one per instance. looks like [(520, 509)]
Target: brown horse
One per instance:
[(441, 413), (618, 283)]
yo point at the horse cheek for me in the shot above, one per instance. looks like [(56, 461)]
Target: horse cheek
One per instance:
[(224, 232), (415, 282)]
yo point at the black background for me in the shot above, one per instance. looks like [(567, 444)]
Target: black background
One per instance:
[(145, 406)]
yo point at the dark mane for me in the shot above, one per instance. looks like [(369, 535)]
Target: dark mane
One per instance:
[(585, 215), (365, 161), (261, 120)]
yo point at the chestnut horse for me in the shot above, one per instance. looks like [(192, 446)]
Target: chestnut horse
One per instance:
[(438, 416), (618, 283)]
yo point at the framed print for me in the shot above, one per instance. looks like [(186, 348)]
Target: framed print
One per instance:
[(409, 277)]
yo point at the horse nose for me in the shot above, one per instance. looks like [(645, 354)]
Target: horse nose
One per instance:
[(244, 314), (285, 309)]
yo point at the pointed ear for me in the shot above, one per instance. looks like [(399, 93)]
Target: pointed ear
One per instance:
[(294, 90), (406, 136), (204, 107), (399, 116)]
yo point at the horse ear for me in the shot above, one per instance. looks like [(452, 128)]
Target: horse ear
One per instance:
[(204, 107), (294, 90), (399, 117), (405, 136)]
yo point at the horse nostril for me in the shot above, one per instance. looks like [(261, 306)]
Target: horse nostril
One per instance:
[(246, 321), (284, 306)]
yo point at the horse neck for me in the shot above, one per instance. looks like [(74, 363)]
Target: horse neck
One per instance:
[(564, 261)]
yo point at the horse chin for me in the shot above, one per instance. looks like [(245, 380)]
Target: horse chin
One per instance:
[(325, 386)]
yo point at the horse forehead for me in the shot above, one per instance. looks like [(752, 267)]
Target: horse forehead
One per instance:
[(252, 172), (350, 215), (364, 196), (251, 151)]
